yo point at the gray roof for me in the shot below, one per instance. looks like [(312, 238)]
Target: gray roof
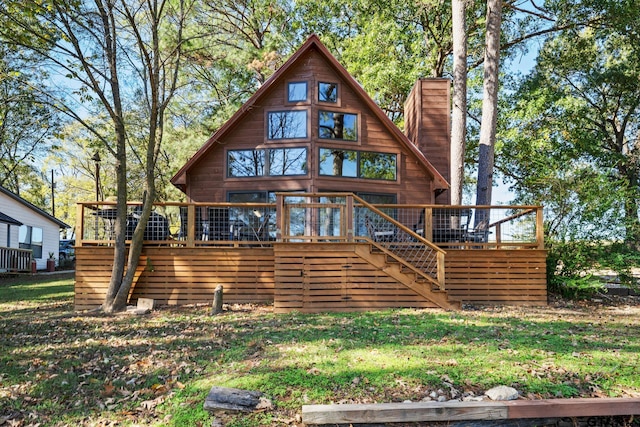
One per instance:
[(6, 219), (32, 207)]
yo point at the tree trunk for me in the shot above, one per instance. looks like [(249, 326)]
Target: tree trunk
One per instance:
[(459, 113), (120, 249), (489, 105)]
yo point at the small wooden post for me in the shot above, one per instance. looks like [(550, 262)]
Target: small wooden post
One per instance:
[(217, 301)]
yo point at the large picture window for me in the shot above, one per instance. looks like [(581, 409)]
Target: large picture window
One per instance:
[(334, 125), (271, 162), (31, 238), (287, 124), (358, 164)]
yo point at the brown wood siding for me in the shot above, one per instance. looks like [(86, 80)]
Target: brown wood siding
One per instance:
[(331, 277), (207, 181), (516, 277), (179, 276), (428, 124), (310, 277)]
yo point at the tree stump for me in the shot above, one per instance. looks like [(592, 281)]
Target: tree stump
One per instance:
[(217, 300)]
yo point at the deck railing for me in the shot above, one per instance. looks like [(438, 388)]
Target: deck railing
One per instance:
[(321, 217), (344, 217), (14, 260)]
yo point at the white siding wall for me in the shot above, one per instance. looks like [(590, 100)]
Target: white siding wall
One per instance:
[(13, 238), (29, 217)]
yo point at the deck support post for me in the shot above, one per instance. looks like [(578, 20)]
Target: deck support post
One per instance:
[(349, 218), (191, 225), (441, 270), (79, 223), (280, 212), (539, 228)]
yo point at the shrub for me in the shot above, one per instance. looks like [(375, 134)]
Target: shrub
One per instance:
[(570, 266)]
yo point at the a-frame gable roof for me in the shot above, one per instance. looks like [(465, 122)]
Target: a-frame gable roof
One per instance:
[(179, 179)]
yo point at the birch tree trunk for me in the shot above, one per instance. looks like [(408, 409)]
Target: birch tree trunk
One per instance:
[(489, 104), (459, 113)]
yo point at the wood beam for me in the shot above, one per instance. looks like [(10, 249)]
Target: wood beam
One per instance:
[(460, 411)]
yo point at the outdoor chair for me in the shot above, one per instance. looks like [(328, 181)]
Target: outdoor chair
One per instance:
[(449, 225)]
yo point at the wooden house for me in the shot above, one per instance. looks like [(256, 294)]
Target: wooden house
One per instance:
[(310, 197)]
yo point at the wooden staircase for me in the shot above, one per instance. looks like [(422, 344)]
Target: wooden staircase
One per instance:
[(407, 275)]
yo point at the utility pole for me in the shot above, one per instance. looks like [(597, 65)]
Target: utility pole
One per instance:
[(53, 196)]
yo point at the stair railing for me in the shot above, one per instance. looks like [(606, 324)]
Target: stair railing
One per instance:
[(396, 240)]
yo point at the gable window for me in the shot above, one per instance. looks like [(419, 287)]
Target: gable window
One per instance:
[(327, 92), (334, 125), (287, 124), (297, 91), (31, 238), (269, 162), (358, 164)]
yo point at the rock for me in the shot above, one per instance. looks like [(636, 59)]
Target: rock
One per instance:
[(502, 392), (442, 399), (233, 399), (146, 303)]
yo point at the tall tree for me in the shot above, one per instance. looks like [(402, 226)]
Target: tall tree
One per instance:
[(459, 98), (489, 105), (110, 50), (27, 124)]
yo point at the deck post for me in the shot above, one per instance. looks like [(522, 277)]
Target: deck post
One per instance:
[(441, 270), (79, 223), (191, 225), (349, 218), (539, 228), (280, 213), (428, 223)]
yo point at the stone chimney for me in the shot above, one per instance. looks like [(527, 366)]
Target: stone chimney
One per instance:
[(427, 123)]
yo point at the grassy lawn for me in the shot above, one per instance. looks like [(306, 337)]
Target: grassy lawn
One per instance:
[(59, 367)]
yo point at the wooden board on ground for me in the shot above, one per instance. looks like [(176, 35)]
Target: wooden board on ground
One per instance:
[(462, 411)]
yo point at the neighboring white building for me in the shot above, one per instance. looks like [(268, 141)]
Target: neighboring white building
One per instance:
[(23, 225)]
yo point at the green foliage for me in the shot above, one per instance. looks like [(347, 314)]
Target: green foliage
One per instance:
[(570, 138), (571, 266)]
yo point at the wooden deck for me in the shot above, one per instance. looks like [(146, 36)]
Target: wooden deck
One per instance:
[(313, 257), (309, 277)]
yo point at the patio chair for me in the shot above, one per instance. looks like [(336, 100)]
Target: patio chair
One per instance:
[(449, 225)]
